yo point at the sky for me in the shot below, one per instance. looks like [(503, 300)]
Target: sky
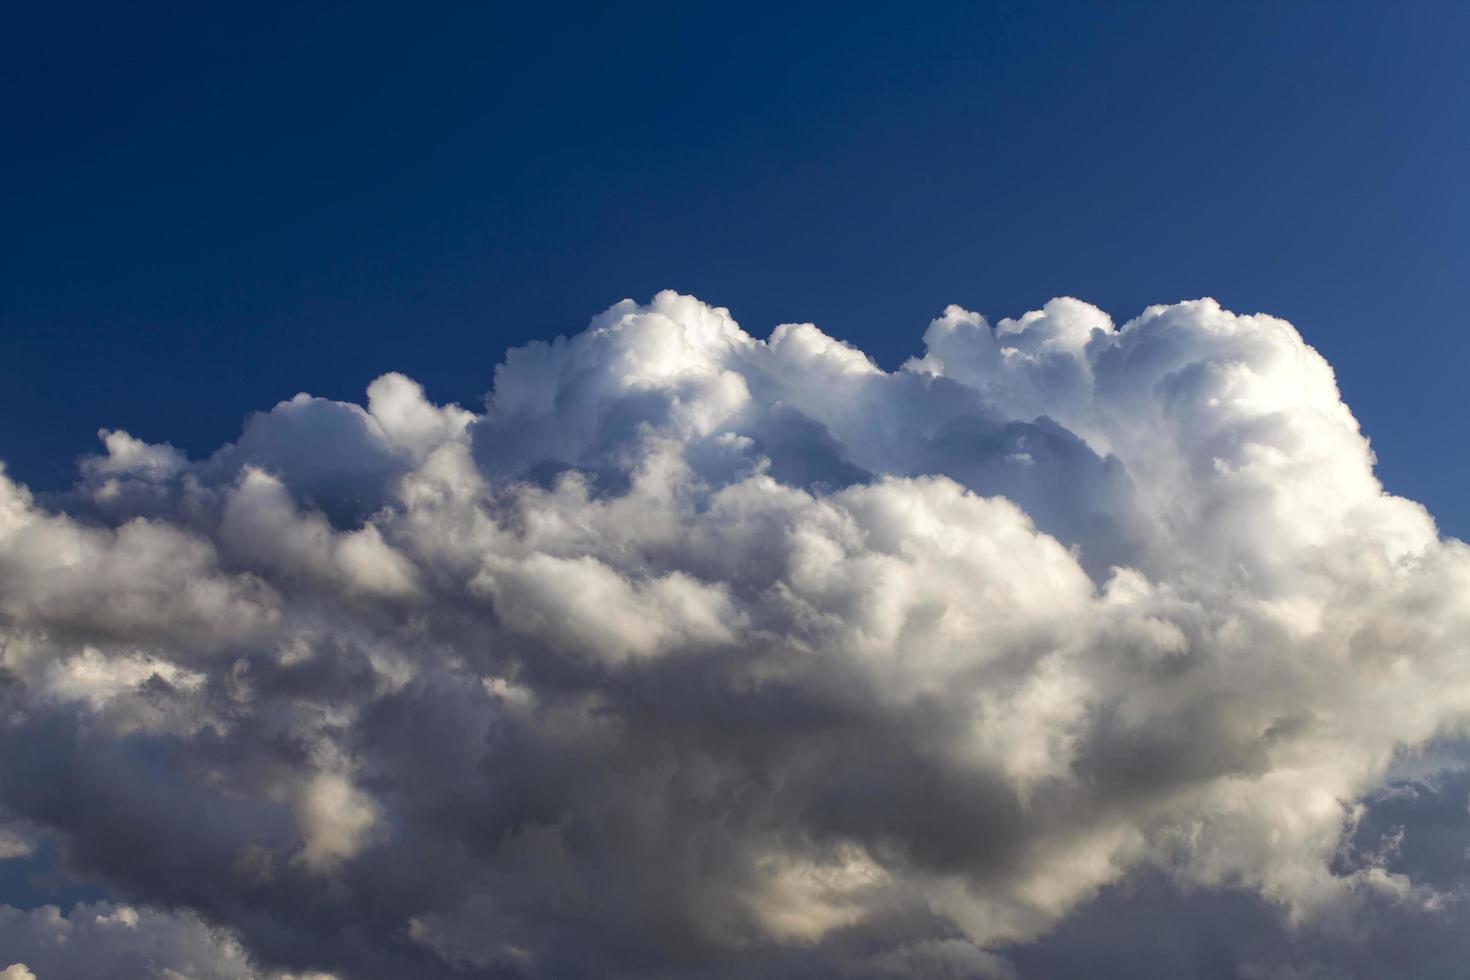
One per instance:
[(218, 206), (859, 491)]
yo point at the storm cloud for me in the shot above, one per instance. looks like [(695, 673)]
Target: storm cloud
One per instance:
[(694, 654)]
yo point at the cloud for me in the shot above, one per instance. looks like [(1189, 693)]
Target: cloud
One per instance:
[(694, 654), (108, 940)]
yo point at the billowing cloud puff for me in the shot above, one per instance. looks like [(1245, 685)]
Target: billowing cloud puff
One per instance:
[(697, 654)]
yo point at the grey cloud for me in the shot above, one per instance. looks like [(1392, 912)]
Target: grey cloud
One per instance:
[(119, 942), (694, 654)]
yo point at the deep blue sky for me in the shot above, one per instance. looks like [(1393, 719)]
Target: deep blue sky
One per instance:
[(206, 208)]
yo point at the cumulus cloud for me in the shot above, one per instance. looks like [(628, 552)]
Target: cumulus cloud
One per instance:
[(698, 654)]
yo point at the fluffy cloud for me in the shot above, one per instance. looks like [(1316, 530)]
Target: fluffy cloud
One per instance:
[(696, 654)]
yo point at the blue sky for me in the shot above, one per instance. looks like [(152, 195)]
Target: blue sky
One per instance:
[(208, 208)]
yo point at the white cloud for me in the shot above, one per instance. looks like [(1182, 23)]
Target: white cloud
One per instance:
[(737, 649)]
